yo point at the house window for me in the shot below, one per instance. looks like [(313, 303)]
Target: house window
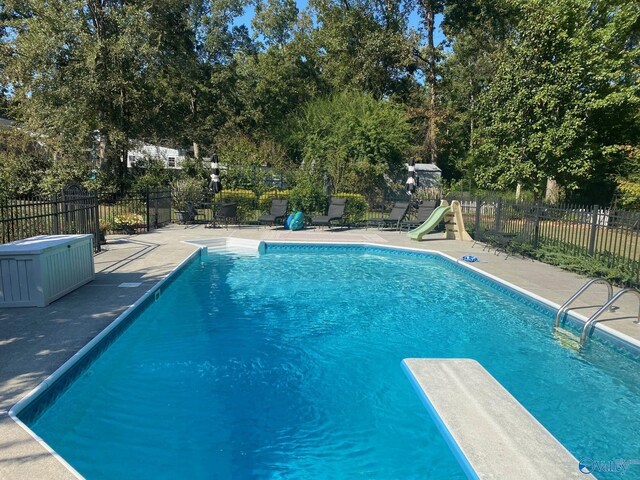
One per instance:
[(132, 160), (171, 162)]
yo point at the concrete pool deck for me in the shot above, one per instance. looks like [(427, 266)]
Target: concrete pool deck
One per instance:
[(34, 342)]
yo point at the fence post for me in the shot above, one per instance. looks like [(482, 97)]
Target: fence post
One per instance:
[(476, 227), (498, 214), (54, 207), (594, 230), (96, 214), (148, 211), (536, 224)]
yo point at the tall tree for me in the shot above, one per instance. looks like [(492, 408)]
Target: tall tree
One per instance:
[(564, 93), (429, 9)]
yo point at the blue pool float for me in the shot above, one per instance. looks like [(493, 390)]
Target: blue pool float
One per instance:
[(470, 258), (287, 222), (297, 222)]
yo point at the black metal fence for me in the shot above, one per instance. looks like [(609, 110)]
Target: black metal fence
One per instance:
[(55, 215), (79, 211), (134, 212), (611, 237)]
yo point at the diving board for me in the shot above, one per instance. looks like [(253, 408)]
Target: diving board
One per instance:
[(491, 434)]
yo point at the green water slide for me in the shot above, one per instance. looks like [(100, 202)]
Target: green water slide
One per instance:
[(432, 222)]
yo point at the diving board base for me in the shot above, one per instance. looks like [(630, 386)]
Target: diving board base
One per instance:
[(491, 434)]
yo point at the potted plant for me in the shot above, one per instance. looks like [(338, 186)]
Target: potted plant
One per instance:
[(105, 226), (185, 193)]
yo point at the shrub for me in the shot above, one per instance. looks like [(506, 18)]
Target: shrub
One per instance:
[(353, 138), (128, 222), (308, 197), (185, 191)]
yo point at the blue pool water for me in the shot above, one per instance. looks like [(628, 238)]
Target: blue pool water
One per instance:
[(287, 365)]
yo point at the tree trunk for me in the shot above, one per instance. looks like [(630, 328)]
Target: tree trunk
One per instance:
[(430, 24), (552, 194), (518, 192), (196, 150)]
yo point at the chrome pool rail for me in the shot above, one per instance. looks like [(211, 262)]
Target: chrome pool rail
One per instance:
[(564, 308), (594, 318)]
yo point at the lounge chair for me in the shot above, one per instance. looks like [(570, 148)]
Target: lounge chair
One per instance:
[(335, 213), (397, 214), (225, 213), (424, 211), (277, 211)]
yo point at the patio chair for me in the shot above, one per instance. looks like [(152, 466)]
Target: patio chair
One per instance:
[(193, 213), (335, 213), (397, 214), (278, 211), (424, 211), (226, 212)]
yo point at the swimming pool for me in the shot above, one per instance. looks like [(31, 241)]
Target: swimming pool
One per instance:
[(287, 365)]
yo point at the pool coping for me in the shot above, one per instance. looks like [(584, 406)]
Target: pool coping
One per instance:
[(618, 339)]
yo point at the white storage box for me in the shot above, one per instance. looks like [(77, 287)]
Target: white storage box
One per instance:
[(38, 270)]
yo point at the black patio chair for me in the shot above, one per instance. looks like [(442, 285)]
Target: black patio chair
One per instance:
[(335, 213), (224, 213), (278, 211), (193, 213), (397, 214), (424, 211)]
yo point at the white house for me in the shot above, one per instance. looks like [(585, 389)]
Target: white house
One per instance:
[(171, 157)]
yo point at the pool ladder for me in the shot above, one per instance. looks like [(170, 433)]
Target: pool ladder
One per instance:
[(595, 318)]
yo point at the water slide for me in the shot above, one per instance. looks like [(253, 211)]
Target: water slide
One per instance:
[(432, 222)]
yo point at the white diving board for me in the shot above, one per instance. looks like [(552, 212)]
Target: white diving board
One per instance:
[(491, 434)]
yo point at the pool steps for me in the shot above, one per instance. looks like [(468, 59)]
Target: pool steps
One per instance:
[(490, 433)]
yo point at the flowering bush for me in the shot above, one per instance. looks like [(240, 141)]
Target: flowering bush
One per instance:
[(127, 222)]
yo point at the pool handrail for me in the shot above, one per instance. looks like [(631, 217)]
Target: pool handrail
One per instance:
[(595, 317), (564, 308)]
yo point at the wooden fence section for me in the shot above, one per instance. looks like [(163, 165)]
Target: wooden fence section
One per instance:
[(610, 236)]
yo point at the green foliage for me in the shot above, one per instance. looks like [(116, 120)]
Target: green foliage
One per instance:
[(562, 91), (307, 195), (185, 191), (250, 164), (629, 197), (150, 174), (357, 207), (621, 274), (353, 138)]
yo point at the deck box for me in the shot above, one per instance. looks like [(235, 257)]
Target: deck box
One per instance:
[(38, 270)]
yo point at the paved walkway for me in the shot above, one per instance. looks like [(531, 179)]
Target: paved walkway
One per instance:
[(34, 342)]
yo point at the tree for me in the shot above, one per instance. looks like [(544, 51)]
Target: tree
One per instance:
[(564, 90), (429, 9), (353, 138)]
